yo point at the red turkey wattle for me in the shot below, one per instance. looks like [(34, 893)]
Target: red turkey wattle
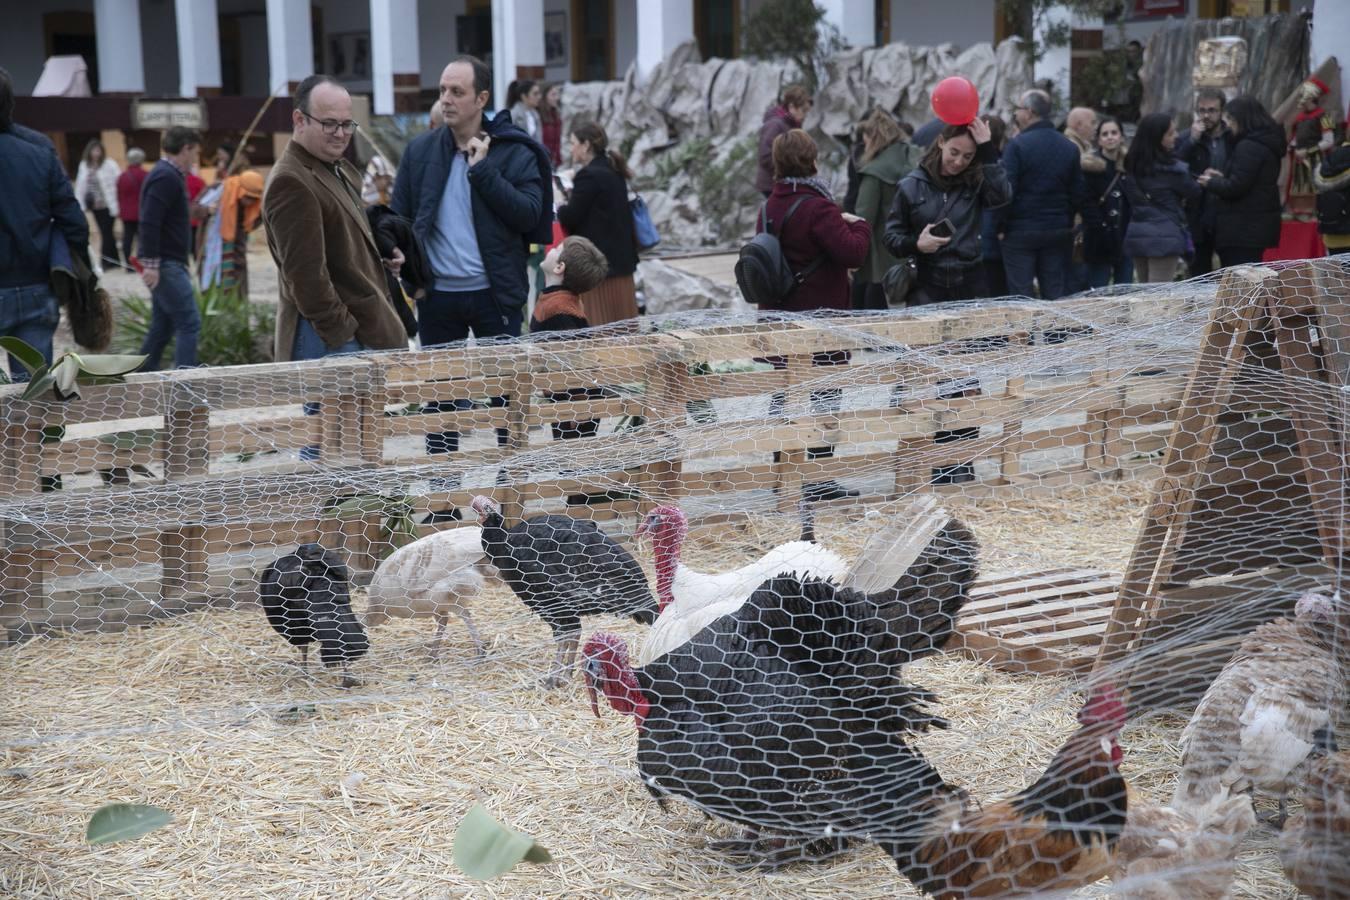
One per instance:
[(955, 101)]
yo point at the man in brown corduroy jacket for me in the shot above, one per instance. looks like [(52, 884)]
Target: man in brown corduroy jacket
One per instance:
[(333, 294)]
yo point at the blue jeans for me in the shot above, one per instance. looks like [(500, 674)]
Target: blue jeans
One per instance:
[(173, 315), (1041, 256), (308, 345), (30, 313), (442, 317), (1101, 274)]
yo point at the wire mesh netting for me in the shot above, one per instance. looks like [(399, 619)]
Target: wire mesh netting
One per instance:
[(967, 600)]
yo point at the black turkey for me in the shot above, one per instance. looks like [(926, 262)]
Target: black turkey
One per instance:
[(307, 598), (562, 569)]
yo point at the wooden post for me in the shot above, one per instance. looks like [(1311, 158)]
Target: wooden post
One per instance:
[(1223, 347), (667, 390), (183, 551), (23, 564), (519, 404)]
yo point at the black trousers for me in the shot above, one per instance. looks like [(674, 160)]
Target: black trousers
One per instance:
[(1202, 263), (445, 317), (1240, 256), (944, 284), (107, 240)]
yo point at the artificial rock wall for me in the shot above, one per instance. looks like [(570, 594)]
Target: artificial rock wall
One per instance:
[(690, 129)]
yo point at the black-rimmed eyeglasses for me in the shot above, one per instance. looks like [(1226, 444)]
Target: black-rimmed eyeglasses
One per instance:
[(332, 126)]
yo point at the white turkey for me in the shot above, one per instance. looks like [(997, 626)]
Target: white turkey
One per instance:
[(1276, 703), (435, 577), (690, 600)]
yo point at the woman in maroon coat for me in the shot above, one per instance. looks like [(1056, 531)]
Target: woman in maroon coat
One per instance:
[(817, 230)]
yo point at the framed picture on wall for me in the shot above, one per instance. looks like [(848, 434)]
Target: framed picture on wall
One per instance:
[(349, 55), (555, 39)]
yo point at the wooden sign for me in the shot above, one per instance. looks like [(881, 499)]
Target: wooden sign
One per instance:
[(158, 115)]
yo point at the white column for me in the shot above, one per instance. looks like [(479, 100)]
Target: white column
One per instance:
[(517, 40), (528, 34), (290, 47), (117, 33), (393, 49), (1054, 65), (855, 19), (198, 46), (661, 28), (1331, 23)]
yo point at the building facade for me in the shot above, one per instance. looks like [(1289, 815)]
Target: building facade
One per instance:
[(235, 53)]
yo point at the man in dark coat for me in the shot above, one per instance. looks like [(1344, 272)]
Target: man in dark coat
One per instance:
[(788, 114), (1045, 174), (35, 197), (1204, 146), (1247, 189), (479, 192)]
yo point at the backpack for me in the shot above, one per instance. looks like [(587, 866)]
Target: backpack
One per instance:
[(1333, 211), (762, 271)]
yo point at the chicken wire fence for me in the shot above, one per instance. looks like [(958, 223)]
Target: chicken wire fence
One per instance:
[(801, 605)]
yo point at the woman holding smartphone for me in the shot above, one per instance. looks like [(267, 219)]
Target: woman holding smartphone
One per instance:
[(936, 218), (937, 212)]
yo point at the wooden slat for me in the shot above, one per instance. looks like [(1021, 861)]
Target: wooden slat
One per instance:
[(1051, 602), (1085, 634)]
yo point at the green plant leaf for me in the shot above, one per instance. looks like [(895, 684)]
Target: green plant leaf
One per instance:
[(110, 364), (67, 372), (485, 848), (53, 434), (294, 715), (42, 382), (24, 352), (359, 507), (124, 821)]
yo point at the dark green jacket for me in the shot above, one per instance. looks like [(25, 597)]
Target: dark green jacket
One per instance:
[(876, 190)]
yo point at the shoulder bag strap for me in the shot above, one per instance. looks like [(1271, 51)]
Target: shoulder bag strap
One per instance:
[(816, 263), (1109, 188)]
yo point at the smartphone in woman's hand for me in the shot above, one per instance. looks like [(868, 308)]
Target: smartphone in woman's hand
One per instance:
[(943, 229)]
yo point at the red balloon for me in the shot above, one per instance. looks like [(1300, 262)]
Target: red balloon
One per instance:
[(955, 101)]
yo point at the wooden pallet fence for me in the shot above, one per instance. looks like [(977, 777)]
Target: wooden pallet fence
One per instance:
[(221, 444)]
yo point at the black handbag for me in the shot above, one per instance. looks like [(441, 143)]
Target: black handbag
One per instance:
[(899, 281)]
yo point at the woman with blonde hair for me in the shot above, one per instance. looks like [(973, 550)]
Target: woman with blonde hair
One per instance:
[(96, 191), (886, 158)]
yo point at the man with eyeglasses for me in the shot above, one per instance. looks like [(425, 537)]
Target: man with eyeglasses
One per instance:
[(1204, 146), (334, 297)]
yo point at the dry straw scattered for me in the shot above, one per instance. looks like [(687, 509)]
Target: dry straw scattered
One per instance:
[(284, 785)]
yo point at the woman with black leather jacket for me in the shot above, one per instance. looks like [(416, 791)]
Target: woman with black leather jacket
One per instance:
[(957, 179)]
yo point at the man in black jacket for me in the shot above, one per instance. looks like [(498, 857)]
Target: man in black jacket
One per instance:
[(1204, 146), (165, 235), (1045, 174), (35, 196), (478, 192)]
